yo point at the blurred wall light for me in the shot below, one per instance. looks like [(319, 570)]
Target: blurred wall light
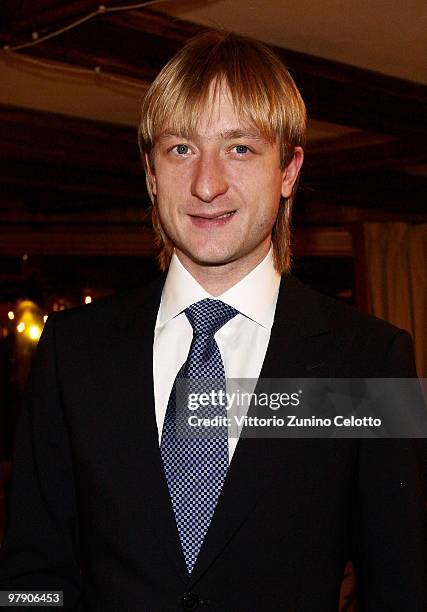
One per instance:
[(30, 321), (35, 332)]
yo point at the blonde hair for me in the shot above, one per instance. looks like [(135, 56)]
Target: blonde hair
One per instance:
[(262, 92)]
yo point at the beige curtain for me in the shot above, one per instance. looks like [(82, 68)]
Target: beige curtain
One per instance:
[(396, 259)]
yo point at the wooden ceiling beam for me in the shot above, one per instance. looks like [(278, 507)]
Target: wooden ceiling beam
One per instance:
[(394, 193), (25, 177), (27, 15), (396, 153), (71, 141), (66, 239), (322, 241), (138, 43)]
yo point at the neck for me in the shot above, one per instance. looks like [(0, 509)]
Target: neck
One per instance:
[(216, 279)]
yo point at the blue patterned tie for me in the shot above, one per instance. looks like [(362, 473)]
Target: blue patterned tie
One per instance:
[(195, 464)]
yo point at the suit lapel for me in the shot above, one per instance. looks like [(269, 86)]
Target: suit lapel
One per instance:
[(300, 337), (146, 473), (296, 350)]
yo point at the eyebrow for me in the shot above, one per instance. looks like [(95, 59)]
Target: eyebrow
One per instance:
[(242, 133), (227, 135)]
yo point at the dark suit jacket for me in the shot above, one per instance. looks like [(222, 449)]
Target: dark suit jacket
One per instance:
[(90, 512)]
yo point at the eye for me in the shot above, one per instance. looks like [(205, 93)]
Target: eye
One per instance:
[(182, 149), (241, 149)]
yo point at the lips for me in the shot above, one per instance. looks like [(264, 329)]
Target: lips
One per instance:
[(210, 220), (213, 216)]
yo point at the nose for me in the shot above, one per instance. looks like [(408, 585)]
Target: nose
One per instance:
[(208, 181)]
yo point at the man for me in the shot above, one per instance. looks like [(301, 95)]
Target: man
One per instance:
[(114, 508)]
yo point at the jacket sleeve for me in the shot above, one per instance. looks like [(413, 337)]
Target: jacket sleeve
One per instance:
[(389, 515), (40, 547)]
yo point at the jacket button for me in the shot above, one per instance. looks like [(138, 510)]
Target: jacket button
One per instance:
[(190, 601)]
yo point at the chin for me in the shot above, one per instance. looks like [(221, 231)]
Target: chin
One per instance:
[(210, 256)]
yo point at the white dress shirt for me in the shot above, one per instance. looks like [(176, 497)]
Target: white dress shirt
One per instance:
[(243, 341)]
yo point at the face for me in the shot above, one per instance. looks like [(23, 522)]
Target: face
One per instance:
[(218, 192)]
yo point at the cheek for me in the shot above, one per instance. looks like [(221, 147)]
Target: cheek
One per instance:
[(172, 185), (261, 192)]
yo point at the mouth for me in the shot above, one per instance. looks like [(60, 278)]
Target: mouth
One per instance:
[(212, 219)]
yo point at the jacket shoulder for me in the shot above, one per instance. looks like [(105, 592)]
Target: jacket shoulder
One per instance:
[(362, 342), (108, 315)]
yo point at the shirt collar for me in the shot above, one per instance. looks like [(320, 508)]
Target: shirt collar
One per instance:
[(254, 296)]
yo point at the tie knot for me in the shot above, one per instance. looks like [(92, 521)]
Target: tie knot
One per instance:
[(208, 316)]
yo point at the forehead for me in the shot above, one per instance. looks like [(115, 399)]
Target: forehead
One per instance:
[(218, 113), (217, 118)]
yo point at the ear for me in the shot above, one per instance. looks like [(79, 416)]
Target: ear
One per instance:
[(150, 174), (290, 173)]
